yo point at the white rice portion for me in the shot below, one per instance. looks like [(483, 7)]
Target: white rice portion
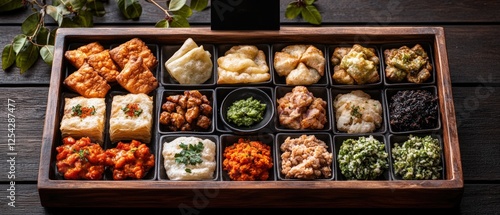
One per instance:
[(202, 171)]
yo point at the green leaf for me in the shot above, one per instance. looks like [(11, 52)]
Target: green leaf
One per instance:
[(56, 2), (69, 23), (179, 21), (185, 11), (199, 5), (75, 5), (131, 9), (311, 14), (52, 37), (96, 7), (8, 56), (27, 57), (292, 11), (43, 35), (30, 24), (309, 2), (10, 5), (162, 24), (176, 5), (57, 13), (84, 19), (19, 42), (47, 54)]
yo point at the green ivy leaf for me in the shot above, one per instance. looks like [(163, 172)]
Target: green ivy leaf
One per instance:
[(96, 7), (176, 5), (47, 54), (27, 57), (292, 11), (43, 35), (162, 24), (199, 5), (311, 14), (185, 11), (179, 22), (10, 5), (19, 42), (8, 56), (30, 24), (131, 9), (84, 19), (309, 2)]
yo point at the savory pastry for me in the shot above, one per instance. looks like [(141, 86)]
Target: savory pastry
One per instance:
[(104, 65), (133, 48), (190, 111), (80, 159), (189, 159), (78, 57), (137, 78), (248, 160), (356, 65), (190, 64), (299, 109), (408, 64), (300, 64), (305, 157), (131, 118), (87, 82), (130, 160), (243, 64), (84, 117), (356, 112)]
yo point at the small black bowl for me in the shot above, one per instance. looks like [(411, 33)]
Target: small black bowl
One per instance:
[(244, 93)]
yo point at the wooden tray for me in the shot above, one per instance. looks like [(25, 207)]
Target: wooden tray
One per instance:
[(274, 193)]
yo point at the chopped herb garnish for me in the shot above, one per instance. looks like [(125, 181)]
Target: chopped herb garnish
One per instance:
[(81, 154), (190, 154), (132, 110), (355, 112), (82, 112)]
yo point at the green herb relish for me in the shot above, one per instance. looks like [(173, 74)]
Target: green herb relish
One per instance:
[(362, 159), (246, 112), (418, 158)]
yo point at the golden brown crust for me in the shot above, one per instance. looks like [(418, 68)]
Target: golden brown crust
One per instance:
[(133, 48), (136, 77), (87, 82), (104, 65), (78, 56)]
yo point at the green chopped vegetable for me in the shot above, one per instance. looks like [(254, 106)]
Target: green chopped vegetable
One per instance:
[(190, 154), (246, 112), (418, 158), (362, 159)]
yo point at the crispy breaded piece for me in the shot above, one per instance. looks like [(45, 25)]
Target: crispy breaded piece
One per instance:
[(104, 65), (87, 82), (136, 77), (78, 56), (133, 48)]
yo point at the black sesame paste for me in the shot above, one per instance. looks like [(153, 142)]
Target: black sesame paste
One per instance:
[(413, 110)]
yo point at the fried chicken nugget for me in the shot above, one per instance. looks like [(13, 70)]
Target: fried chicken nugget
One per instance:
[(133, 48), (104, 65), (87, 82), (78, 56), (136, 77)]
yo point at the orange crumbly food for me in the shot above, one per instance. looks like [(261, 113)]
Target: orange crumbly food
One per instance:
[(80, 159), (248, 160), (130, 160)]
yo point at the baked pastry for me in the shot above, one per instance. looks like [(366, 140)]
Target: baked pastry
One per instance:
[(136, 77), (84, 117), (131, 118), (79, 56), (190, 64), (104, 65), (356, 65), (300, 64), (87, 82), (133, 48), (242, 64)]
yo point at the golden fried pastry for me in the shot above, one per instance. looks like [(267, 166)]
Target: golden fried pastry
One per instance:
[(87, 82), (190, 64), (405, 63), (104, 65), (133, 48), (243, 64), (305, 61), (136, 77), (84, 117), (131, 118), (356, 65), (78, 56)]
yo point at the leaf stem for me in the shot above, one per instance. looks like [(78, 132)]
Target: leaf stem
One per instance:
[(161, 8)]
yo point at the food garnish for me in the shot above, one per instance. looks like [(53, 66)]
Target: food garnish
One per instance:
[(190, 154), (246, 112), (417, 158)]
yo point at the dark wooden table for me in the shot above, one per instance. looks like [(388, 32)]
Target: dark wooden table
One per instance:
[(473, 44)]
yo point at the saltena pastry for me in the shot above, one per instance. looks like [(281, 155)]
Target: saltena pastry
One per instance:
[(84, 117), (131, 118), (191, 64)]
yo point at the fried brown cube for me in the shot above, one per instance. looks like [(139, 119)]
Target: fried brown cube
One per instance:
[(79, 56), (87, 82), (133, 48), (136, 77), (104, 65)]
